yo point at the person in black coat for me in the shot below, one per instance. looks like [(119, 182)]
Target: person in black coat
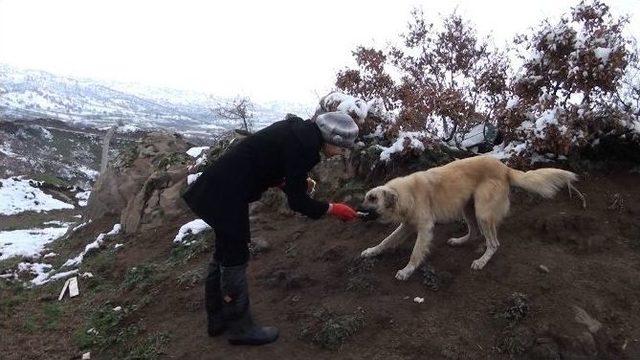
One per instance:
[(280, 154)]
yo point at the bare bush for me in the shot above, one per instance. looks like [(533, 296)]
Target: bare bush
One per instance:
[(238, 109)]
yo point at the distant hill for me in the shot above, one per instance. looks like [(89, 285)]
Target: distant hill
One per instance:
[(31, 94)]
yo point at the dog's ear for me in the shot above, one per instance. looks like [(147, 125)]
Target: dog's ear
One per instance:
[(390, 199)]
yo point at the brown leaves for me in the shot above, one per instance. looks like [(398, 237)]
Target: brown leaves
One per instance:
[(447, 77)]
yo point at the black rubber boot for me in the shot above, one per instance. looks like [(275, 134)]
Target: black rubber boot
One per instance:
[(237, 315), (213, 301)]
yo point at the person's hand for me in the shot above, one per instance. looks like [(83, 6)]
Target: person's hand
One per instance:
[(311, 186), (342, 211)]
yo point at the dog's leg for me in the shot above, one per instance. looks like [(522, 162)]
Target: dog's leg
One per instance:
[(488, 229), (492, 205), (393, 240), (420, 250), (472, 226)]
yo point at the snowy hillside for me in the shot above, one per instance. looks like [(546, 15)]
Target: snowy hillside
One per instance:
[(34, 94)]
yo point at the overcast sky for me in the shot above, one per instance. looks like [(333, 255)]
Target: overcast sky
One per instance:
[(268, 50)]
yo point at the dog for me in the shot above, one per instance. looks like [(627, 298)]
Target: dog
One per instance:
[(475, 188)]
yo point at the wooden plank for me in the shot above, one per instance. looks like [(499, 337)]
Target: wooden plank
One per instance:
[(64, 289)]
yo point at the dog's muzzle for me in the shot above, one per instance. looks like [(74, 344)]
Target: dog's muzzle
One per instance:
[(367, 214)]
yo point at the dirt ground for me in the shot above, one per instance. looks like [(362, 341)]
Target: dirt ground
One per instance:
[(310, 282)]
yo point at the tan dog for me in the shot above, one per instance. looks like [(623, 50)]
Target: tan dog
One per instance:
[(476, 188)]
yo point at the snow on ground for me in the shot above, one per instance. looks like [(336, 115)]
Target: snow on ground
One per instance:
[(16, 196), (196, 151), (41, 271), (193, 227), (192, 177), (93, 174), (27, 243), (56, 223), (399, 145), (83, 197), (128, 128), (6, 149), (81, 225), (91, 246), (116, 230)]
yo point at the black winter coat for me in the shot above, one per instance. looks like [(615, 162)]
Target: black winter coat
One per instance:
[(287, 149)]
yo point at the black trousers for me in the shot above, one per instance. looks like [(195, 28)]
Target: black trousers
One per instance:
[(230, 222)]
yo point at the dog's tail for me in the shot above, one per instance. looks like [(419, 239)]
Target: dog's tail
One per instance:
[(545, 182)]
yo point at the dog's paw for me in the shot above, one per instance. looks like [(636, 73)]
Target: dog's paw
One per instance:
[(478, 264), (369, 252), (404, 273), (457, 241)]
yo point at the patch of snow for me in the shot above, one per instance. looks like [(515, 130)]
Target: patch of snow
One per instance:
[(128, 128), (5, 149), (503, 151), (83, 197), (49, 255), (27, 242), (81, 225), (418, 300), (513, 102), (116, 230), (117, 308), (57, 223), (61, 275), (197, 151), (602, 54), (91, 246), (117, 246), (17, 195), (41, 271), (399, 144), (193, 227), (377, 133), (207, 127), (201, 159), (87, 275), (548, 117), (93, 174), (192, 177)]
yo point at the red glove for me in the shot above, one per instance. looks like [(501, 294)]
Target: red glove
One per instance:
[(342, 211)]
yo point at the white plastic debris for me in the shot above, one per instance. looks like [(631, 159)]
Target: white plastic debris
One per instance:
[(117, 308), (418, 300), (86, 356), (72, 286)]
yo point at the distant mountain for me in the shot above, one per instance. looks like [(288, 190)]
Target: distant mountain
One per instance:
[(31, 94)]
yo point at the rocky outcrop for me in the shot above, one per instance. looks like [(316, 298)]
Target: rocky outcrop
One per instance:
[(144, 183)]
